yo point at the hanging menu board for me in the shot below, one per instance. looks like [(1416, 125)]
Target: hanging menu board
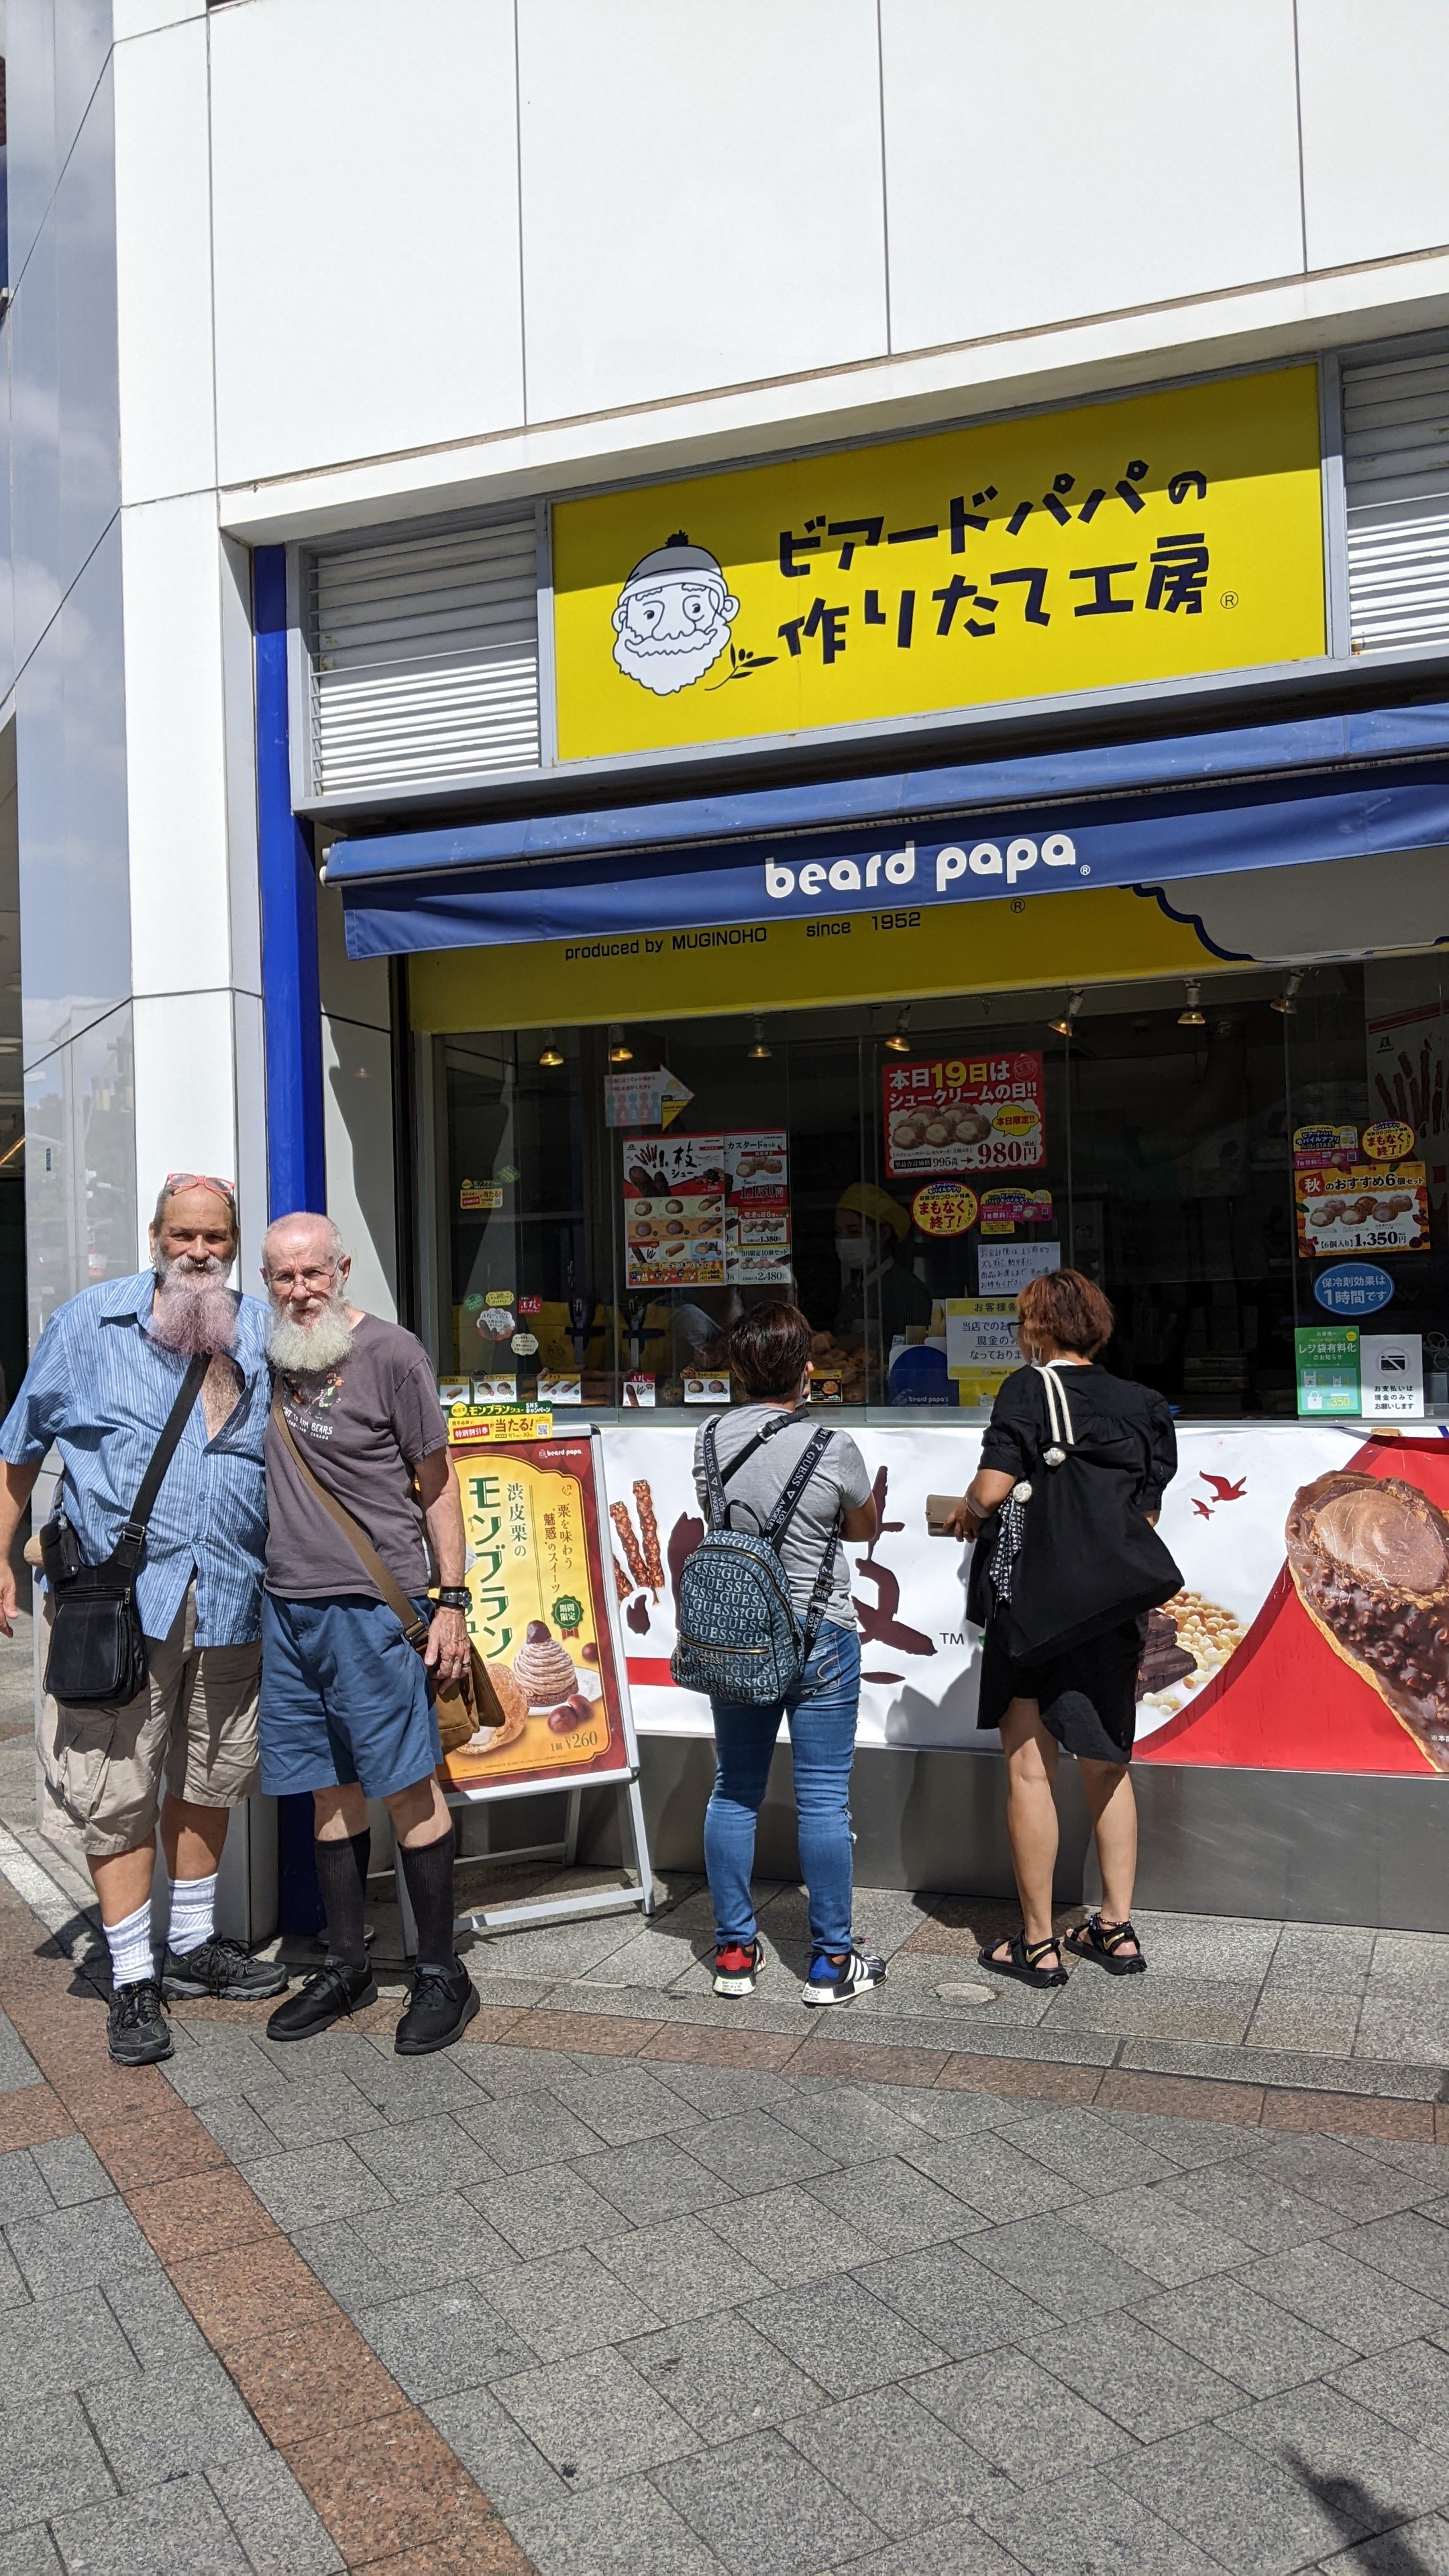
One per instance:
[(703, 1210), (1350, 1197), (674, 1211), (757, 1216), (964, 1114)]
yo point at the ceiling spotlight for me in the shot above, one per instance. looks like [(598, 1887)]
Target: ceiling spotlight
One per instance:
[(618, 1052), (1286, 1004), (1063, 1026), (898, 1043), (552, 1055), (1192, 1017), (759, 1053)]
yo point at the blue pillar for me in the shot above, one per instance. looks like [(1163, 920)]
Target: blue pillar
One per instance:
[(291, 989), (292, 1036)]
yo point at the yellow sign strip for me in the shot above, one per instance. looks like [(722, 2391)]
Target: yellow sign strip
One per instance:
[(1098, 935), (1163, 535)]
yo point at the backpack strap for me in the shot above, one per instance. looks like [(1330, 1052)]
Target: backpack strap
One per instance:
[(714, 1481), (800, 1475)]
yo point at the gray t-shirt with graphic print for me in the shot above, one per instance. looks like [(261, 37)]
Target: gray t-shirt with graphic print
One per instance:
[(840, 1483), (362, 1427)]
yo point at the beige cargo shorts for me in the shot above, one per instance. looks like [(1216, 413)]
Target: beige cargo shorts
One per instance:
[(192, 1731)]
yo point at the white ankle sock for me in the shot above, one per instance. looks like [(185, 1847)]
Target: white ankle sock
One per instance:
[(129, 1943), (193, 1914)]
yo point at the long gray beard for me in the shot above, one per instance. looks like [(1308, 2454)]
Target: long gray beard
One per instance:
[(304, 1349), (192, 1312)]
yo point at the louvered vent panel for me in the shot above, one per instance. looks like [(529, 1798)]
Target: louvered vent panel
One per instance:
[(425, 650), (1396, 482)]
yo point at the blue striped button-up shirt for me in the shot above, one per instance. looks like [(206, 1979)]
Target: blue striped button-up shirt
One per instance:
[(100, 1389)]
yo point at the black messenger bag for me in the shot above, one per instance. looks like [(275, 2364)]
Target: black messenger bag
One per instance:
[(97, 1651)]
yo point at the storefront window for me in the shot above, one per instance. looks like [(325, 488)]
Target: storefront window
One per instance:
[(1230, 1160)]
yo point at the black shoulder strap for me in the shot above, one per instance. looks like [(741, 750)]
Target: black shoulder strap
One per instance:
[(714, 1481), (804, 1468), (133, 1529)]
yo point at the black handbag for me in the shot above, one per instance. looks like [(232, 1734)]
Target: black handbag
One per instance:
[(97, 1650), (1072, 1553)]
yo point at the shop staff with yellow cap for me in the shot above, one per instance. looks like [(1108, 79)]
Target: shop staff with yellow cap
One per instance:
[(879, 1294)]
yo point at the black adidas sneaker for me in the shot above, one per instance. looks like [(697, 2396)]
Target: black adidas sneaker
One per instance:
[(837, 1976)]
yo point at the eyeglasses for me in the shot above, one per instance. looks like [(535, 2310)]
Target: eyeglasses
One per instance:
[(303, 1278), (201, 1181)]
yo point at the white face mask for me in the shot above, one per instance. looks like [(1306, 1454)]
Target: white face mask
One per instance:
[(851, 1251)]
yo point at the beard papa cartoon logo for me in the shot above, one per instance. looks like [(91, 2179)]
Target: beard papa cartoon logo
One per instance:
[(673, 617)]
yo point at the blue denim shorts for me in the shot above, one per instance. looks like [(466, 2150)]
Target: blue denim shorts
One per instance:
[(344, 1698)]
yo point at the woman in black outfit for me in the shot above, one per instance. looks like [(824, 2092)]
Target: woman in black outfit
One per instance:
[(1067, 1565)]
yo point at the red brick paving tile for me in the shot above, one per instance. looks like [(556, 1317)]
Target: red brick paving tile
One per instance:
[(32, 2118), (863, 2064), (689, 2043), (200, 2213), (393, 2489), (594, 2034), (309, 2378), (137, 2153), (1028, 2079), (491, 2021), (1441, 2124), (1350, 2115), (1188, 2097), (252, 2290)]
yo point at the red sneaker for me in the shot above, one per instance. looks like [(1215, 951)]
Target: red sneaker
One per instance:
[(736, 1966)]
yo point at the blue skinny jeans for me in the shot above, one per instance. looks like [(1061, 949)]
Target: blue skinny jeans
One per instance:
[(821, 1715)]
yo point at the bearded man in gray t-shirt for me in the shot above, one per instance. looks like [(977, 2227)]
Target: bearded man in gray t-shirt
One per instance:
[(357, 1437)]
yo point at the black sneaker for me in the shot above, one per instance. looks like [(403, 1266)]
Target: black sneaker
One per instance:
[(737, 1965), (837, 1976), (443, 2003), (330, 1992), (137, 2032), (222, 1967)]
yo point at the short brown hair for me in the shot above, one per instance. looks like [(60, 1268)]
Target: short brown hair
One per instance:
[(1065, 1307), (769, 1348)]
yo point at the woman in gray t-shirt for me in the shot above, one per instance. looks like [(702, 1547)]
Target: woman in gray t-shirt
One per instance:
[(770, 1360)]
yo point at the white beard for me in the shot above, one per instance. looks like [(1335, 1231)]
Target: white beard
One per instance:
[(664, 668), (306, 1349), (191, 1309)]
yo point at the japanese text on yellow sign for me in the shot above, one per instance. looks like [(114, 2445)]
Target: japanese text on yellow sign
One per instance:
[(536, 1618), (1149, 539)]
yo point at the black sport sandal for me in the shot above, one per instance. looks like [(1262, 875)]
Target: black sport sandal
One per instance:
[(1023, 1960), (1101, 1941)]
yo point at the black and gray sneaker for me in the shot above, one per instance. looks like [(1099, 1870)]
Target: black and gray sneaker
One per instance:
[(137, 2031), (442, 2004), (221, 1967), (323, 1998), (838, 1975)]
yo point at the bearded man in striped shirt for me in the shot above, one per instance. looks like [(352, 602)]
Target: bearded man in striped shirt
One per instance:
[(103, 1380)]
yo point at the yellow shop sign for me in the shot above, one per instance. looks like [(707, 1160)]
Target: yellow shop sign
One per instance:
[(1155, 538)]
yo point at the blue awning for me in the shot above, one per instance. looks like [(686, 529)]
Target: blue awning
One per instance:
[(1139, 814)]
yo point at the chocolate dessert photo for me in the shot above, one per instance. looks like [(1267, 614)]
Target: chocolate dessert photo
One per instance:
[(1369, 1557)]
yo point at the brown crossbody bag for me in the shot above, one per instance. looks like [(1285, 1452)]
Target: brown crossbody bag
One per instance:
[(461, 1705)]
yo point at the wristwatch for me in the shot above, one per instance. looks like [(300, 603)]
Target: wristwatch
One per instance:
[(453, 1596)]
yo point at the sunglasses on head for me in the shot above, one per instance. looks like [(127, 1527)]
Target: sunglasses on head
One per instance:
[(202, 1181)]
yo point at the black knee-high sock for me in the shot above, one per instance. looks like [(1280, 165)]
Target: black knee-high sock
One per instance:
[(342, 1879), (428, 1869)]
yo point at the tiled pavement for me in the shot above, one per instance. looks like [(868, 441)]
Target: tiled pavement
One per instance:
[(758, 2298)]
